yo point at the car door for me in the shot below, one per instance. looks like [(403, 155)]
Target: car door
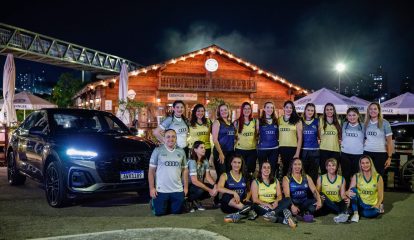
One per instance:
[(36, 141)]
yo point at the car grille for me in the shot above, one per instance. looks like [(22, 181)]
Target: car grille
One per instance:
[(109, 168)]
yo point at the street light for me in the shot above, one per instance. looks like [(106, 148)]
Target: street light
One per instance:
[(339, 67)]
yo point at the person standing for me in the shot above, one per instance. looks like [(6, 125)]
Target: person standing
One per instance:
[(330, 134), (352, 145), (168, 176), (290, 135), (176, 121), (268, 144), (378, 143), (246, 141), (310, 148), (200, 129)]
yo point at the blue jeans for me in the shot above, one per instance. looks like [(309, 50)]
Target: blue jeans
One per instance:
[(166, 203), (364, 209), (336, 207)]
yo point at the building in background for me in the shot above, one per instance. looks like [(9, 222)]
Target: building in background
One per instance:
[(379, 85), (407, 85)]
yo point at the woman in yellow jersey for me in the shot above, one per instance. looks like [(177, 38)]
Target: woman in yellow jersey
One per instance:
[(366, 190), (246, 140), (290, 135), (267, 197), (200, 129), (331, 187), (330, 134)]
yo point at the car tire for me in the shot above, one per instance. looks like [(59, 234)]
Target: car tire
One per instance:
[(13, 176), (55, 188)]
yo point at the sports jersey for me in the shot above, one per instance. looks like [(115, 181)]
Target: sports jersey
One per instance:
[(332, 190), (226, 136), (376, 138), (268, 136), (353, 138), (329, 137), (246, 140), (267, 192), (298, 189), (179, 126), (200, 132), (169, 166), (367, 190), (239, 186), (310, 134), (287, 134), (198, 170)]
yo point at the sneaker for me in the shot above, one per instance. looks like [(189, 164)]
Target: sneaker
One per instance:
[(341, 218), (355, 218), (270, 216), (232, 218), (289, 218), (252, 215), (198, 206), (381, 209), (192, 210)]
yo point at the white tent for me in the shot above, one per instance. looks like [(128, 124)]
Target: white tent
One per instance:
[(403, 104), (324, 96), (362, 102), (8, 113), (27, 101)]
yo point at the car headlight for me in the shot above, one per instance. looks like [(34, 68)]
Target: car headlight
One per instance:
[(75, 153)]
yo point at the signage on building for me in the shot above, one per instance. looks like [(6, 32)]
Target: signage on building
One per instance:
[(182, 96), (108, 105)]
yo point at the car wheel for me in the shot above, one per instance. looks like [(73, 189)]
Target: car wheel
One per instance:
[(13, 175), (407, 174), (55, 185)]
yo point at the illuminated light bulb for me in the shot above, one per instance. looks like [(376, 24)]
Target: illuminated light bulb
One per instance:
[(158, 100), (192, 55), (254, 68), (173, 61), (154, 67), (182, 58), (230, 55), (260, 72), (306, 92)]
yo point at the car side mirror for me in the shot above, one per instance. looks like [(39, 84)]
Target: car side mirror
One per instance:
[(37, 130), (133, 130)]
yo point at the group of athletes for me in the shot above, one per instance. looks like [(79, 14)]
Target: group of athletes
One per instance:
[(307, 145)]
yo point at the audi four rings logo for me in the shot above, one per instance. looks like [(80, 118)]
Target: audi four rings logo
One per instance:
[(130, 159)]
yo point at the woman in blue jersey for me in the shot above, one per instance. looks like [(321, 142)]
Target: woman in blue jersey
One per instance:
[(331, 187), (246, 141), (330, 135), (199, 171), (296, 186), (310, 146), (176, 121), (352, 145), (290, 135), (378, 143), (234, 187), (267, 197), (200, 128), (366, 190), (268, 144), (223, 137)]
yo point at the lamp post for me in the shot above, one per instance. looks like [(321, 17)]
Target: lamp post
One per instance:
[(339, 67)]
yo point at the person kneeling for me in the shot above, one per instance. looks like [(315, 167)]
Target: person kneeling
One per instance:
[(332, 189), (267, 198), (199, 171), (366, 190), (233, 186)]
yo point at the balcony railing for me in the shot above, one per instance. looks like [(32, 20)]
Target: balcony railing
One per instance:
[(206, 84)]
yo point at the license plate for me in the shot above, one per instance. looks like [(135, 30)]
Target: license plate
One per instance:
[(132, 175)]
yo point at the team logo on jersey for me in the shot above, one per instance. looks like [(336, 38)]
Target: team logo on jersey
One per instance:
[(171, 164), (306, 185), (314, 126), (329, 133), (243, 184), (371, 133), (284, 129)]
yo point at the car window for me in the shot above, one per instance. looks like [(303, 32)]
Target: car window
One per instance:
[(86, 122), (31, 120)]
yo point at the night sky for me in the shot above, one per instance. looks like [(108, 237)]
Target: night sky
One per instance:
[(300, 40)]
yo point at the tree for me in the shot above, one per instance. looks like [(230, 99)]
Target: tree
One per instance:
[(65, 89)]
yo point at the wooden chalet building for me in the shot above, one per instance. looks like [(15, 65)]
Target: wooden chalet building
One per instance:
[(196, 77)]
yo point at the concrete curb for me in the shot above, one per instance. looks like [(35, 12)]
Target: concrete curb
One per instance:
[(145, 233)]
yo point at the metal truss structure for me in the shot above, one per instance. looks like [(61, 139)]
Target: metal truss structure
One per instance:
[(32, 46)]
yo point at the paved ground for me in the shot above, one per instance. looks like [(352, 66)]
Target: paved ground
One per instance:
[(24, 213)]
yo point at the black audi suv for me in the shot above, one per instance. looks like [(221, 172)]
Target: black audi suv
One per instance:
[(76, 151)]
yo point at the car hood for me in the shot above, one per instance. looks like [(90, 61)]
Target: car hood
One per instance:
[(100, 142)]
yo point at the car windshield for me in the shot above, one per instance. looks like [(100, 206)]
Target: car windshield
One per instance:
[(87, 123), (403, 131)]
